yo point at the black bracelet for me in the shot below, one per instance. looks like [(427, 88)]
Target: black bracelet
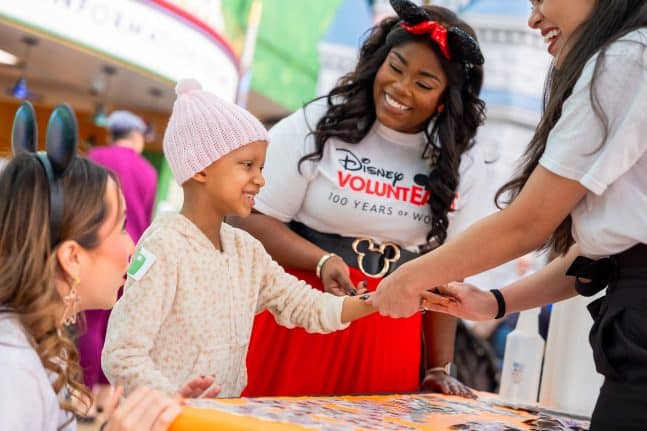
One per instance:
[(500, 303), (103, 425)]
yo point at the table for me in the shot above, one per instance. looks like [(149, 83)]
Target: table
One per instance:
[(411, 412)]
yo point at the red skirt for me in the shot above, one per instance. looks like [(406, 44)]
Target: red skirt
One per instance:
[(374, 355)]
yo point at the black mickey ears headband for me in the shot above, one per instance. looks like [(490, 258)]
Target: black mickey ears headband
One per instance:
[(61, 144), (453, 41)]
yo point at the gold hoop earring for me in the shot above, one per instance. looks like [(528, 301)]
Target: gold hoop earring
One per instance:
[(71, 301)]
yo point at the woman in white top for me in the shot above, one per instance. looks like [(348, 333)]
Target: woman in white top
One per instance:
[(57, 260), (583, 182), (381, 169)]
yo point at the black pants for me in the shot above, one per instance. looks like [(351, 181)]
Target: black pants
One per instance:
[(620, 407), (619, 341)]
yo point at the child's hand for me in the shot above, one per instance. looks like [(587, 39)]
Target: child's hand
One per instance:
[(200, 387), (356, 307), (143, 410)]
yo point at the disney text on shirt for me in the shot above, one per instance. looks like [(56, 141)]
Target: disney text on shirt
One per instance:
[(350, 162)]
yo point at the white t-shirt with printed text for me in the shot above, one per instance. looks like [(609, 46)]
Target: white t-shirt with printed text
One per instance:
[(375, 188), (612, 217)]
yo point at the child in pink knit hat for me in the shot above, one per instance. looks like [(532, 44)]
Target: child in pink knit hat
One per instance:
[(195, 282)]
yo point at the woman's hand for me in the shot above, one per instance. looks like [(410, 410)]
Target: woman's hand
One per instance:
[(335, 277), (461, 300), (200, 387), (143, 410), (439, 381), (395, 296)]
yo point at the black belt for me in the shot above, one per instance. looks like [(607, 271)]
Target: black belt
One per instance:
[(599, 272), (619, 335), (373, 260)]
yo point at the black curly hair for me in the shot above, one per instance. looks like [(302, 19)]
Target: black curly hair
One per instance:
[(351, 110)]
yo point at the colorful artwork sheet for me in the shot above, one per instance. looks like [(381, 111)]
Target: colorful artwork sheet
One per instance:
[(360, 413)]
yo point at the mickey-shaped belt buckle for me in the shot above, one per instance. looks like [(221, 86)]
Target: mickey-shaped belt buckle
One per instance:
[(375, 249)]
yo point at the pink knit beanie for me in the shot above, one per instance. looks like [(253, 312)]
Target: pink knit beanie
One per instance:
[(203, 128)]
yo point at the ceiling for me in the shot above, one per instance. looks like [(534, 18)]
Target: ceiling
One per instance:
[(57, 72)]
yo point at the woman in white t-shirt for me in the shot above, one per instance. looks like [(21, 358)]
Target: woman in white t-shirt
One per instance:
[(584, 181), (380, 170), (63, 249)]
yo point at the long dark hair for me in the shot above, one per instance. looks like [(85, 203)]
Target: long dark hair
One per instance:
[(610, 20), (28, 258), (351, 110)]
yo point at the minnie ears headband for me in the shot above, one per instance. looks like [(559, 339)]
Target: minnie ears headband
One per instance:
[(61, 144), (453, 42)]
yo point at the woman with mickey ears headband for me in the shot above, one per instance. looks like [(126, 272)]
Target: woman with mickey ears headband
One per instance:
[(360, 181), (63, 249)]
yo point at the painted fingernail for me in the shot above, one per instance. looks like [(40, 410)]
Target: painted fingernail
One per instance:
[(352, 291), (365, 297)]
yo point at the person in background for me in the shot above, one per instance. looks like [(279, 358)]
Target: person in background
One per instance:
[(137, 177), (138, 181), (380, 170)]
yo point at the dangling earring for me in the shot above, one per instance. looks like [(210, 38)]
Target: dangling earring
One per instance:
[(440, 109), (71, 301)]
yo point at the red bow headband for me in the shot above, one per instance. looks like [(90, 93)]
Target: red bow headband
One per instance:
[(435, 30)]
